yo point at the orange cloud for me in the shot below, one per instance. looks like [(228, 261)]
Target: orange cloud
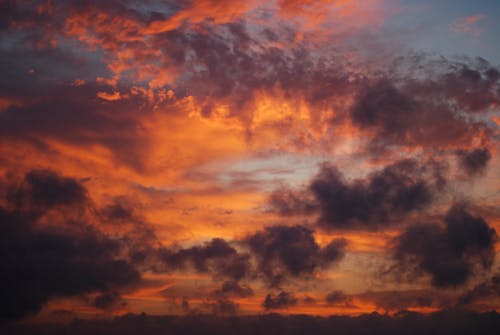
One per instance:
[(468, 25)]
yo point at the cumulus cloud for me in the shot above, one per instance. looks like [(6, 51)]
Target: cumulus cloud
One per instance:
[(283, 251), (449, 253), (216, 256), (379, 200), (41, 261)]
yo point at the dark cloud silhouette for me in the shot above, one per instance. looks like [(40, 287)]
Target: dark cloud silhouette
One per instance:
[(450, 322), (474, 161), (45, 189), (280, 300), (339, 298), (216, 256), (108, 300), (381, 199), (234, 289), (486, 290), (401, 118), (283, 251), (224, 307), (40, 261), (427, 103), (278, 251), (406, 299), (451, 253)]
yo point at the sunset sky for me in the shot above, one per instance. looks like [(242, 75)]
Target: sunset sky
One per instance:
[(243, 157)]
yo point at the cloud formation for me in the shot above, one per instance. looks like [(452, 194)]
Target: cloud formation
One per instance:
[(283, 251), (42, 258), (280, 300), (383, 198), (176, 120), (449, 253)]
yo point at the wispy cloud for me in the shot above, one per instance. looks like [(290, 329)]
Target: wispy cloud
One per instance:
[(468, 24)]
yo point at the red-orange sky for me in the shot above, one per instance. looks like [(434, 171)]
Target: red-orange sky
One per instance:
[(241, 157)]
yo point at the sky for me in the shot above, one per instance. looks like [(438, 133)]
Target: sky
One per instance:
[(231, 157)]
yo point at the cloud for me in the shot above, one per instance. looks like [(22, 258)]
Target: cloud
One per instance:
[(484, 291), (417, 113), (216, 256), (64, 257), (450, 254), (224, 307), (279, 301), (45, 189), (234, 289), (339, 298), (468, 24), (404, 300), (446, 322), (383, 198), (283, 251), (474, 161), (108, 299)]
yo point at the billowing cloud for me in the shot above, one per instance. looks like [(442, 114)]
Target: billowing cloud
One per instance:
[(284, 251), (381, 199), (450, 254), (428, 112), (42, 260), (215, 256), (141, 143)]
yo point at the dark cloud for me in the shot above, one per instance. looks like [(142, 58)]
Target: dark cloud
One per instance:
[(283, 251), (216, 256), (474, 161), (403, 300), (449, 322), (40, 261), (402, 118), (339, 298), (428, 103), (76, 116), (45, 189), (233, 64), (108, 300), (234, 289), (381, 199), (224, 307), (450, 254), (280, 300), (118, 212), (276, 253), (484, 291)]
